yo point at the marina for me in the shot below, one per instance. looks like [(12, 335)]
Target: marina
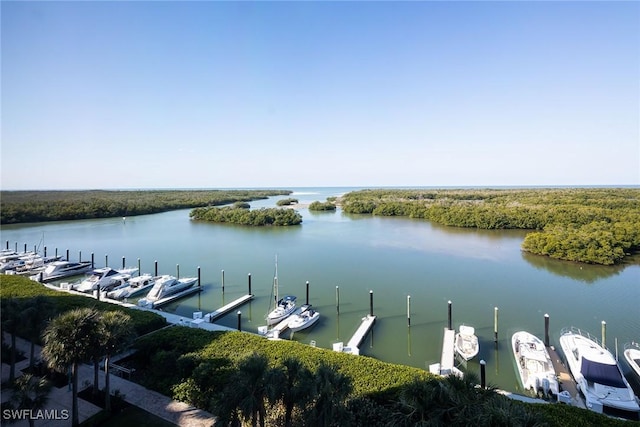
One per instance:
[(394, 257)]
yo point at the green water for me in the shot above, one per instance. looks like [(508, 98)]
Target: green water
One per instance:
[(393, 257)]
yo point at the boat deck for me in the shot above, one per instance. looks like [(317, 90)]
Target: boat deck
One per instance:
[(227, 308), (361, 332), (565, 379)]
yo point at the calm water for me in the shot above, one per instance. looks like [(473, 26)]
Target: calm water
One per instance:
[(393, 257)]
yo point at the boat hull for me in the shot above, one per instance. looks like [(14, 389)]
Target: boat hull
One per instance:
[(533, 364), (466, 343)]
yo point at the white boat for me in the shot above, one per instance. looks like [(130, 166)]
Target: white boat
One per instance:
[(11, 260), (598, 375), (62, 269), (284, 306), (306, 318), (133, 287), (534, 364), (166, 286), (466, 343), (104, 279), (632, 356)]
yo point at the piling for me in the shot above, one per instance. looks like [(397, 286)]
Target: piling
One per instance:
[(35, 249), (45, 251), (25, 248), (92, 260), (449, 323), (67, 254), (249, 280), (239, 321), (155, 268), (138, 266), (56, 252), (123, 262), (307, 293), (7, 245), (604, 334), (177, 271), (370, 303), (199, 283), (79, 256), (483, 374), (616, 344), (408, 310), (338, 299), (222, 280), (106, 260), (495, 325), (546, 330)]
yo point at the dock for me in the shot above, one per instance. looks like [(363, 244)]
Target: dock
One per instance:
[(227, 308), (275, 332), (447, 359), (567, 383), (353, 346)]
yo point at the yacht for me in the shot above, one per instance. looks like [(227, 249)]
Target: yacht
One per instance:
[(632, 356), (134, 286), (534, 364), (104, 279), (303, 320), (598, 375), (466, 343), (61, 269), (165, 286), (283, 309)]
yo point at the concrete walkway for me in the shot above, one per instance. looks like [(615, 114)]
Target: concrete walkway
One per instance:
[(162, 406)]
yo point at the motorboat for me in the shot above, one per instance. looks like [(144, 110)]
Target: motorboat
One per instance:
[(133, 287), (35, 263), (598, 375), (306, 318), (632, 356), (284, 307), (166, 286), (104, 279), (61, 269), (534, 364), (466, 343), (12, 260)]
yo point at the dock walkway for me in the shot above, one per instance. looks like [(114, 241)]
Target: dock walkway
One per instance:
[(353, 346), (227, 308), (565, 379)]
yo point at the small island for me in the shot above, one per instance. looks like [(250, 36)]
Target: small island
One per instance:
[(242, 216), (286, 202), (320, 206)]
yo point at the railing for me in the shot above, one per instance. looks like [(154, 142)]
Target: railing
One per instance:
[(585, 334)]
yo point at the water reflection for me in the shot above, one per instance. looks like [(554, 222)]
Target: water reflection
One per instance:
[(584, 273)]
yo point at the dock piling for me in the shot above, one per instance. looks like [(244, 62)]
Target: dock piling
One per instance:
[(45, 251), (7, 245), (249, 280), (546, 330), (449, 323), (139, 267), (338, 299), (56, 252), (106, 260), (123, 262), (604, 334), (177, 271), (483, 374), (495, 325), (371, 303), (239, 321), (408, 310), (222, 280), (155, 268), (79, 256), (67, 254), (307, 293), (199, 282), (25, 247), (92, 260)]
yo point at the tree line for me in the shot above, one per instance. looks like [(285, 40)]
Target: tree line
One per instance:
[(242, 216), (37, 206), (591, 225)]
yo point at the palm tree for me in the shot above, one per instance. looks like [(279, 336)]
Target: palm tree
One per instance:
[(34, 318), (11, 309), (30, 393), (117, 335), (332, 390), (67, 342), (247, 389), (293, 384)]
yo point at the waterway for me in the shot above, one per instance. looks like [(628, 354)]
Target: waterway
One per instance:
[(477, 270)]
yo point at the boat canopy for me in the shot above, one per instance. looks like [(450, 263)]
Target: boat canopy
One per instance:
[(288, 298), (602, 373)]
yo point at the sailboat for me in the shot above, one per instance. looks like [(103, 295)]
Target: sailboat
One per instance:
[(284, 306)]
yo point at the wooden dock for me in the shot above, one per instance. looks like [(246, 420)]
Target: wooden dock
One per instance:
[(565, 379), (447, 359), (227, 308), (353, 346), (174, 297)]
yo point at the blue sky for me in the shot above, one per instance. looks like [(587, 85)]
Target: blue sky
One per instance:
[(292, 94)]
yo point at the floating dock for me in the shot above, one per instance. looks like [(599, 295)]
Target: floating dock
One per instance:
[(567, 384), (227, 308), (357, 338), (275, 332), (447, 359)]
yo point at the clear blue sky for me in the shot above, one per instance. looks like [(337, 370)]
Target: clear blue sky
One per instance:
[(290, 94)]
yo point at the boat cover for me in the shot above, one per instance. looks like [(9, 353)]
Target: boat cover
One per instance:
[(601, 373)]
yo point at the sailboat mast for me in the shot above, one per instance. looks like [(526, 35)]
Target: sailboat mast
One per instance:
[(275, 283)]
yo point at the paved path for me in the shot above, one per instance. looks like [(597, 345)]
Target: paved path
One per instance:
[(162, 406)]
